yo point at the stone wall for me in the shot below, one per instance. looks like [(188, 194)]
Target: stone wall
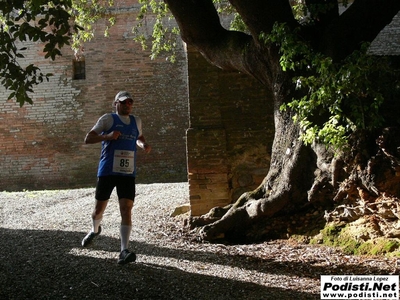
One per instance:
[(42, 144)]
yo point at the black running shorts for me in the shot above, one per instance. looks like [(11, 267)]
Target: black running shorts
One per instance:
[(125, 187)]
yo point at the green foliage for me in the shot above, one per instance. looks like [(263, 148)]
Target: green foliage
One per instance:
[(224, 8), (86, 13), (310, 12), (36, 21), (336, 98), (165, 33), (55, 24)]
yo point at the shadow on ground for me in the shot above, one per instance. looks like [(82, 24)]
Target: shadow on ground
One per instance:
[(37, 264)]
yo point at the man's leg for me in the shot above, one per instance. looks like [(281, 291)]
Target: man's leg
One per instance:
[(104, 188), (97, 214), (126, 196), (125, 206)]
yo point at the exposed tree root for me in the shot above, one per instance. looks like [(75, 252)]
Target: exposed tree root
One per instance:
[(364, 181)]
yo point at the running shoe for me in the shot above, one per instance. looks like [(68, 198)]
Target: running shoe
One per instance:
[(88, 239), (126, 257)]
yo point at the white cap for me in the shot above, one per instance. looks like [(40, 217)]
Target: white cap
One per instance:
[(122, 95)]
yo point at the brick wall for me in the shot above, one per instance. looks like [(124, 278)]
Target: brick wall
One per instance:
[(230, 135), (221, 141), (42, 144)]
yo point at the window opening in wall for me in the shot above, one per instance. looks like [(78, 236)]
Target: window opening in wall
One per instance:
[(79, 68)]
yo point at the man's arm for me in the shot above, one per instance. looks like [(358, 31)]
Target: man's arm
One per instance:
[(103, 124), (93, 137)]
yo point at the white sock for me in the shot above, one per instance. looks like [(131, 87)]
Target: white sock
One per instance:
[(96, 224), (125, 233)]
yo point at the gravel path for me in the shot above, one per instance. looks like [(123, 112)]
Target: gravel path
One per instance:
[(41, 256)]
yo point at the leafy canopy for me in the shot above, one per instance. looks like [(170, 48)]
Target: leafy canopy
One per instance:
[(165, 32), (35, 20), (336, 98), (54, 24)]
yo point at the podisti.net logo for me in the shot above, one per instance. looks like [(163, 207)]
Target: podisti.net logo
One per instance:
[(360, 287)]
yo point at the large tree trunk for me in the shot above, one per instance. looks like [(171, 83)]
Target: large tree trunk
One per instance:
[(285, 187)]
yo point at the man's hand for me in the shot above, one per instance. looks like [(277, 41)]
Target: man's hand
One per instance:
[(141, 142), (146, 148), (113, 135)]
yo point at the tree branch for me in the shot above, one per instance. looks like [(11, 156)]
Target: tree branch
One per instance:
[(229, 50), (198, 21), (361, 22), (260, 16)]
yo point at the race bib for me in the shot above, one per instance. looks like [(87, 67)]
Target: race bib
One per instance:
[(124, 161)]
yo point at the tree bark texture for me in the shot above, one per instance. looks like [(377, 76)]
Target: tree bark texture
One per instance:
[(299, 174)]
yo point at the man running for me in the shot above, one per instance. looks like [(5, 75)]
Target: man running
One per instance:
[(119, 133)]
